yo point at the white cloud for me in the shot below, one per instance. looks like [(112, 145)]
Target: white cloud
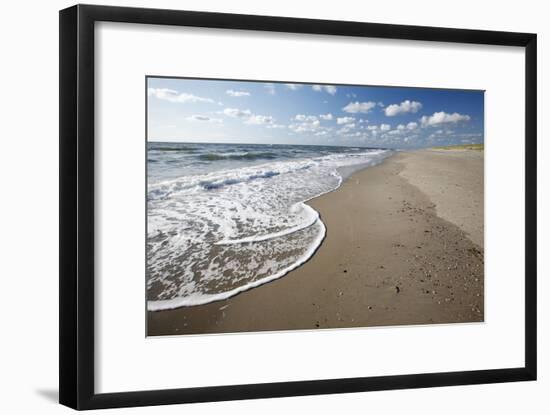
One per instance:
[(344, 120), (331, 89), (385, 127), (248, 117), (326, 117), (404, 128), (345, 130), (233, 93), (270, 88), (304, 127), (355, 107), (204, 118), (306, 124), (259, 119), (308, 118), (443, 118), (293, 87), (172, 95), (237, 113), (348, 127), (403, 108)]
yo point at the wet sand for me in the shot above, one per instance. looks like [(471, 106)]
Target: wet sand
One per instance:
[(404, 245)]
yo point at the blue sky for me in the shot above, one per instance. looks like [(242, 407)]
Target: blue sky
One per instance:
[(194, 110)]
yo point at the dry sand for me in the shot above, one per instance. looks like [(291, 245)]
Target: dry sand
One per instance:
[(404, 245), (458, 191)]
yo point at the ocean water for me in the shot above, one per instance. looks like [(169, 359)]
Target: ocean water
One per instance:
[(224, 218)]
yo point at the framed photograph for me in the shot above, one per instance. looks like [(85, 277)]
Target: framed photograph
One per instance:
[(258, 206)]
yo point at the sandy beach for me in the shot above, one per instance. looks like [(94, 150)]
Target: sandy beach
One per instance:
[(404, 245)]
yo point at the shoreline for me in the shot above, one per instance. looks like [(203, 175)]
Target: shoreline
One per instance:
[(345, 174), (390, 256)]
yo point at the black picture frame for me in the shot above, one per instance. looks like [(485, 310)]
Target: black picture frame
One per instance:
[(76, 261)]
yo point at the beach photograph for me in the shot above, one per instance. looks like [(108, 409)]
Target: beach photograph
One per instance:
[(300, 206)]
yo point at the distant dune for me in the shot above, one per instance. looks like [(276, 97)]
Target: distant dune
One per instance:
[(478, 147)]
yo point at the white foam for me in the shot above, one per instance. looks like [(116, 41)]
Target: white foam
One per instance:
[(200, 299), (258, 238)]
